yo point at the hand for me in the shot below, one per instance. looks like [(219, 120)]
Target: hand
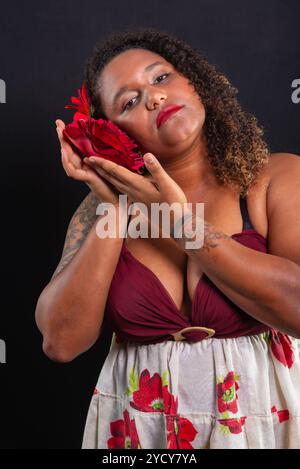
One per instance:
[(77, 169), (158, 187)]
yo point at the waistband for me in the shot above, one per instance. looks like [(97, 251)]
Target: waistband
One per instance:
[(193, 333), (189, 334)]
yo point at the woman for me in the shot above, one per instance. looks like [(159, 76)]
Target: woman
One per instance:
[(205, 351)]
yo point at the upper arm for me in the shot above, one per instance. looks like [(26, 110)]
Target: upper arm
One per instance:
[(283, 206), (78, 229)]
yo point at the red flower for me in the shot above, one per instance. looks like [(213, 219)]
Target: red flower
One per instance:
[(170, 402), (103, 138), (281, 346), (234, 425), (124, 433), (226, 392), (149, 397), (81, 104), (153, 396), (180, 431), (91, 137), (283, 415)]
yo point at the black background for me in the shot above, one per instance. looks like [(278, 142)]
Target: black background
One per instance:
[(43, 48)]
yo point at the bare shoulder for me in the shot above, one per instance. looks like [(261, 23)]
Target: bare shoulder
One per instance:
[(285, 162), (79, 226), (279, 169), (277, 165), (273, 183), (284, 172), (284, 206)]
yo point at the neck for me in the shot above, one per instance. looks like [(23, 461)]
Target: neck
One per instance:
[(191, 169)]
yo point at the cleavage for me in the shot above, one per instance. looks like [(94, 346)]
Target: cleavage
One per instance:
[(173, 268)]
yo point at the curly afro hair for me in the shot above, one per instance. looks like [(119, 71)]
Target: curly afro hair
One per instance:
[(237, 151)]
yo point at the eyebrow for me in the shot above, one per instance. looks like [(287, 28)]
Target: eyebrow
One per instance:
[(125, 88)]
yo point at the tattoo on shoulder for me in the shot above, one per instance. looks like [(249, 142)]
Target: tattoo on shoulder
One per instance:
[(78, 229)]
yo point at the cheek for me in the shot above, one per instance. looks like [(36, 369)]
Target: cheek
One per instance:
[(191, 92), (197, 99), (201, 108), (143, 137), (137, 132), (198, 105), (124, 126)]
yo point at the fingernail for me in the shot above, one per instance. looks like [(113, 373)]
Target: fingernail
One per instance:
[(93, 160), (149, 158)]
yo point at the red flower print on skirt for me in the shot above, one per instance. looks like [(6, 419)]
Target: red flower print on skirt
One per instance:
[(283, 415), (180, 431), (232, 425), (226, 393), (152, 395), (282, 348), (149, 396), (124, 434)]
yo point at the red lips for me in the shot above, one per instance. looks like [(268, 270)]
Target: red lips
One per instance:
[(166, 112)]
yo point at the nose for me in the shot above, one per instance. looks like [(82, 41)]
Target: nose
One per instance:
[(155, 99)]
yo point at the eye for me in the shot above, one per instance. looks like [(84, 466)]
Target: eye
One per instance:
[(164, 75), (126, 105)]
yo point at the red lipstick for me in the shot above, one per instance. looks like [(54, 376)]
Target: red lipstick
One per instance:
[(166, 112)]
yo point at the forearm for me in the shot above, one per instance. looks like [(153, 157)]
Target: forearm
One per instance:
[(265, 286), (70, 310)]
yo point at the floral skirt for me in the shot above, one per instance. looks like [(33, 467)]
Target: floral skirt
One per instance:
[(216, 393)]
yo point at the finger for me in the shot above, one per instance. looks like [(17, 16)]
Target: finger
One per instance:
[(71, 171), (68, 167), (60, 123), (157, 171), (60, 126), (63, 143), (108, 176), (117, 171), (120, 185), (75, 158)]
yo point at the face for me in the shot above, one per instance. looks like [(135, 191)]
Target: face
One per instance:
[(148, 91)]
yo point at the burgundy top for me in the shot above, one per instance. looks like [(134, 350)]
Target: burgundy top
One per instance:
[(140, 309)]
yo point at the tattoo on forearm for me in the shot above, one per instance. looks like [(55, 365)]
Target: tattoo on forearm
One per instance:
[(78, 229), (211, 235), (191, 224)]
